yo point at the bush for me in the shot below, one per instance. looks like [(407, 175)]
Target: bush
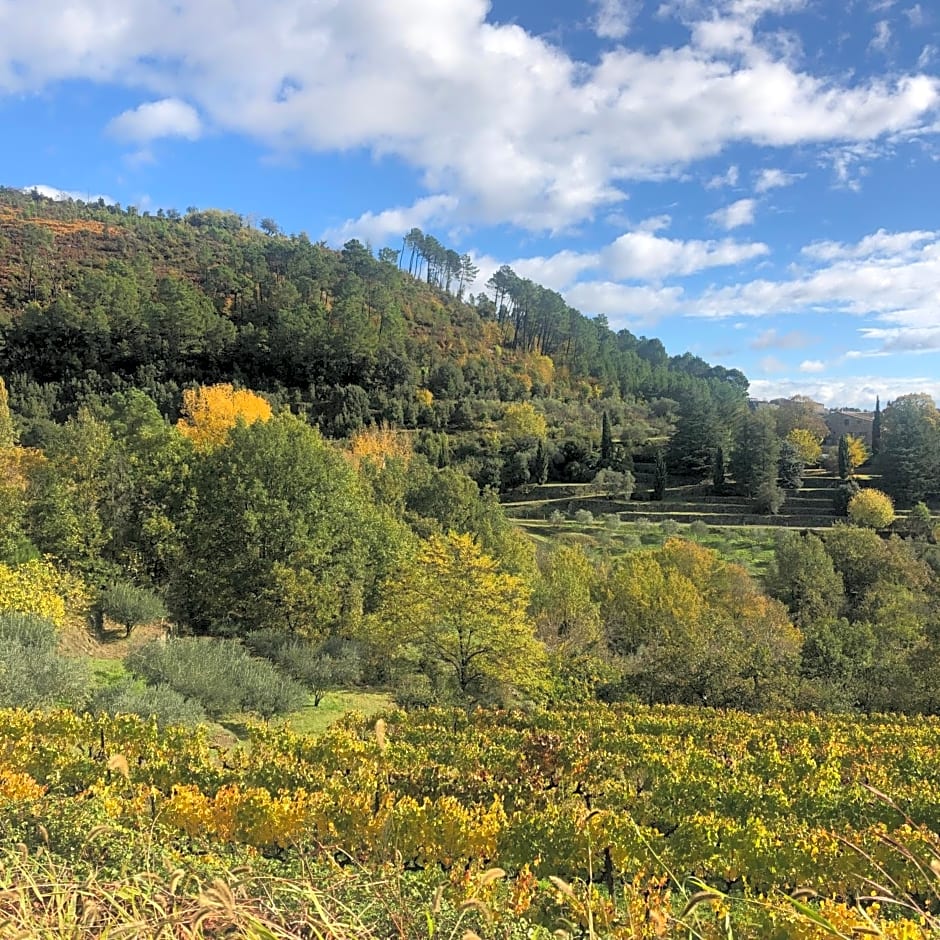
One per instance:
[(129, 605), (557, 517), (415, 691), (769, 499), (219, 674), (32, 673), (160, 702), (320, 667), (844, 496), (872, 509), (698, 529), (584, 516), (669, 527)]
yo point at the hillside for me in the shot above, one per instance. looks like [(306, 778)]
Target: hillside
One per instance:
[(95, 299)]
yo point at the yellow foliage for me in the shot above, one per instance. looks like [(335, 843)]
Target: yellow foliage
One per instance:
[(33, 588), (424, 396), (807, 444), (18, 787), (211, 411), (858, 452), (520, 419), (871, 508), (379, 444), (542, 369)]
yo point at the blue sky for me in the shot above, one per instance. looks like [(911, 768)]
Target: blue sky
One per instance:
[(755, 181)]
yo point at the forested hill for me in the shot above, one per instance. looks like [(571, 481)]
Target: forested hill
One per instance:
[(94, 298)]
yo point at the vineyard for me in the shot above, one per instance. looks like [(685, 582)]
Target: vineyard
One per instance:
[(627, 822)]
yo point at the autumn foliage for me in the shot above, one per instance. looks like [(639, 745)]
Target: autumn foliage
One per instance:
[(211, 411)]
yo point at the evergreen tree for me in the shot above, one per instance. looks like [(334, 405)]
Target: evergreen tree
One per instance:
[(756, 453), (718, 470), (660, 477), (910, 448), (607, 442), (876, 428), (540, 463), (790, 466), (844, 464)]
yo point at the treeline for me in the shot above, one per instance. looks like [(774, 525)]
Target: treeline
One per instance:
[(95, 300), (365, 562)]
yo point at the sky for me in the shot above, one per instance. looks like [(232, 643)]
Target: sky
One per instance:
[(754, 181)]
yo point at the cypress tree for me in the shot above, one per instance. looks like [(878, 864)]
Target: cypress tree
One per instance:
[(844, 461), (718, 470), (876, 428), (659, 476), (540, 463), (607, 442)]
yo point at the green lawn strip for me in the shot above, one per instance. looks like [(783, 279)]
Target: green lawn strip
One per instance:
[(316, 719)]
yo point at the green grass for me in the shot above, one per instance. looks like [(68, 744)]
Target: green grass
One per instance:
[(315, 720), (106, 671), (750, 546)]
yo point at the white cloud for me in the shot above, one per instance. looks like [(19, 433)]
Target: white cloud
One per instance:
[(645, 256), (771, 364), (729, 178), (737, 214), (882, 38), (849, 391), (892, 279), (168, 117), (772, 339), (376, 228), (508, 123), (625, 304), (63, 195), (614, 17), (773, 179), (812, 366)]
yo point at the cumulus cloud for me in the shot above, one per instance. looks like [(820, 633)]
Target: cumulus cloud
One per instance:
[(645, 256), (812, 366), (63, 195), (513, 126), (773, 179), (734, 216), (614, 17), (728, 178), (168, 117), (848, 391), (772, 339), (376, 228)]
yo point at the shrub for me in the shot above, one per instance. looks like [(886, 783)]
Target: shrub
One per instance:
[(669, 527), (33, 587), (129, 605), (872, 509), (32, 673), (557, 517), (584, 516), (844, 496), (698, 529), (415, 691), (219, 674), (769, 499), (320, 667), (160, 702)]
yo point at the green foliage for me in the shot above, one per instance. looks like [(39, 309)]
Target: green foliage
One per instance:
[(910, 448), (660, 477), (718, 470), (283, 535), (160, 702), (754, 463), (323, 667), (130, 605), (920, 522), (769, 498), (218, 674), (7, 432), (456, 614), (32, 673), (791, 466), (804, 578)]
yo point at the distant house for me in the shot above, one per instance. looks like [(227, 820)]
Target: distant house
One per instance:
[(848, 421)]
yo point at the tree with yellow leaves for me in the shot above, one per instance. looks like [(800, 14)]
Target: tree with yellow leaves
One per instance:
[(463, 619), (211, 411), (808, 445), (379, 444)]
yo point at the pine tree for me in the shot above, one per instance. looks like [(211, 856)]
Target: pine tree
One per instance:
[(607, 442)]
